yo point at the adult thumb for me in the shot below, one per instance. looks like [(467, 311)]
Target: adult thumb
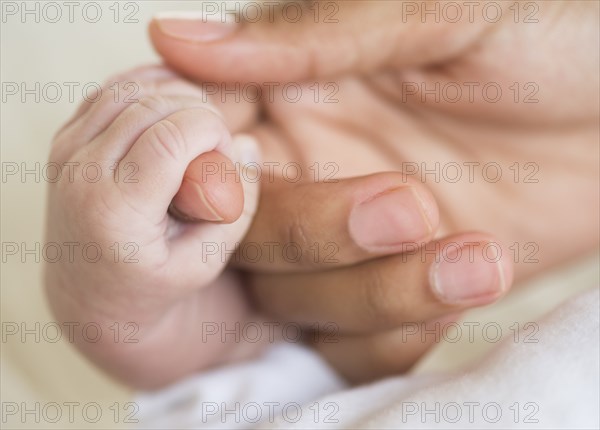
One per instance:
[(289, 41)]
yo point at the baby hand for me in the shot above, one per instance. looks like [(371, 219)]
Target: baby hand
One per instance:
[(134, 266)]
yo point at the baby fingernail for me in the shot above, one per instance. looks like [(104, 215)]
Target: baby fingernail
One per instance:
[(390, 219), (194, 26), (466, 275)]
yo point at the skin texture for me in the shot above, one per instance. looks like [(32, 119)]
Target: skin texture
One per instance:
[(172, 291), (369, 292), (371, 54), (161, 286)]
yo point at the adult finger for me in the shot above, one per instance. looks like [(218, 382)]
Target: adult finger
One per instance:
[(424, 282), (289, 41), (208, 197), (324, 225)]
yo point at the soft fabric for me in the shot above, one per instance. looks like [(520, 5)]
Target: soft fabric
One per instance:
[(553, 383)]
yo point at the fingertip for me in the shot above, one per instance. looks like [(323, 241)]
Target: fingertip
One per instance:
[(190, 57), (471, 269), (233, 51), (390, 211), (210, 191), (163, 45)]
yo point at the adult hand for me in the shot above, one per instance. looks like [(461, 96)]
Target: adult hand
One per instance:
[(396, 74)]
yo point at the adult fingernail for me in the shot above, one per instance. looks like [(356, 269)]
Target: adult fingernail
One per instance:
[(466, 275), (192, 200), (193, 26), (390, 219)]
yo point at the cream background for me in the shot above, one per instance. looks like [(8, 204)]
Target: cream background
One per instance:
[(86, 52)]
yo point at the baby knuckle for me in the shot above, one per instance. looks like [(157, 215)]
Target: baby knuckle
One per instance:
[(167, 139), (155, 103), (210, 119)]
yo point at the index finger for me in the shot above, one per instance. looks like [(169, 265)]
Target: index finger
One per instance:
[(320, 225)]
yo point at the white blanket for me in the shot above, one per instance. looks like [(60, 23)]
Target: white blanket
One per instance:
[(552, 383)]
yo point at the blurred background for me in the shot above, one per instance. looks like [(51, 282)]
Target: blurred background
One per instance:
[(40, 55)]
